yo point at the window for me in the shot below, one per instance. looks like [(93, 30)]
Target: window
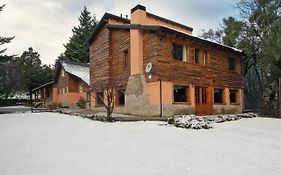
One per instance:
[(66, 89), (121, 97), (180, 94), (99, 99), (62, 72), (196, 56), (204, 57), (204, 95), (63, 90), (197, 95), (233, 96), (80, 88), (231, 64), (126, 58), (178, 52), (218, 95)]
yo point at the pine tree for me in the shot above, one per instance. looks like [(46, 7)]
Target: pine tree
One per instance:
[(32, 71), (75, 49), (4, 40)]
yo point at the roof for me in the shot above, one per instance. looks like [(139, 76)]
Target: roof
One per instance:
[(80, 70), (169, 21), (102, 22), (162, 28), (43, 85)]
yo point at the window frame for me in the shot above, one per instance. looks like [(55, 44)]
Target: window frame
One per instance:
[(126, 58), (230, 66), (236, 96), (174, 52), (99, 101), (121, 90), (186, 94), (196, 56), (222, 95)]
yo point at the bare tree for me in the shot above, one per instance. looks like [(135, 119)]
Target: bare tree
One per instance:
[(106, 94)]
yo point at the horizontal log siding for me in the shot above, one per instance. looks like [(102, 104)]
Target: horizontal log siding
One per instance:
[(119, 43), (99, 58), (188, 72), (151, 52)]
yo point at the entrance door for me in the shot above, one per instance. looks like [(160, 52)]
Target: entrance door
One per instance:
[(202, 100)]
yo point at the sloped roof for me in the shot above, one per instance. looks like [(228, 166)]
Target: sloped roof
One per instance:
[(162, 28), (80, 70), (43, 85), (101, 23)]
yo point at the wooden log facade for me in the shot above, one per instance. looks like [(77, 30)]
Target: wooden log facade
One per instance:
[(188, 75)]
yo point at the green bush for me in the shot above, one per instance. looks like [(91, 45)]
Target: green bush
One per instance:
[(81, 103)]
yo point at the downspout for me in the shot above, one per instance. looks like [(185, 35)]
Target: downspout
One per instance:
[(161, 103)]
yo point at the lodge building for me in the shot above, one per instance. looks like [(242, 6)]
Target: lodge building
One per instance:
[(161, 68), (70, 84)]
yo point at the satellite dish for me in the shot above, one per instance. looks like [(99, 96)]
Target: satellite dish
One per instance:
[(148, 67)]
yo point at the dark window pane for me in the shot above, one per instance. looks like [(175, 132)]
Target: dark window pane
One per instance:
[(177, 52), (231, 64), (121, 96), (218, 95), (196, 56), (99, 99), (232, 96), (126, 58), (204, 95), (197, 95), (180, 94)]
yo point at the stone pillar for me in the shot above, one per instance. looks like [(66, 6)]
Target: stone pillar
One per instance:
[(136, 93), (137, 98)]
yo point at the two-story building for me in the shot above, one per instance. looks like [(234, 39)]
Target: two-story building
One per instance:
[(71, 83), (162, 69)]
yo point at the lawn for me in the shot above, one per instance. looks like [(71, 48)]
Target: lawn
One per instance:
[(56, 144)]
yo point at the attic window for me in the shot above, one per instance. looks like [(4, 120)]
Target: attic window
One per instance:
[(62, 72)]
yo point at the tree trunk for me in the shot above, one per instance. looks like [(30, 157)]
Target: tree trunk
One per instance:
[(279, 97), (30, 96)]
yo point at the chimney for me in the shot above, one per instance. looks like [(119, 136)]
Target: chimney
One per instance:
[(138, 14), (138, 17)]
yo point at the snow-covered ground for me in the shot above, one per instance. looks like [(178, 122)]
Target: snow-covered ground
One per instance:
[(56, 144)]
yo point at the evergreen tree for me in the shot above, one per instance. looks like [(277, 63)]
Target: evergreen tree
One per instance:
[(32, 71), (4, 40), (76, 49), (258, 34)]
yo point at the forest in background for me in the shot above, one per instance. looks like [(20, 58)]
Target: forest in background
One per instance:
[(258, 33)]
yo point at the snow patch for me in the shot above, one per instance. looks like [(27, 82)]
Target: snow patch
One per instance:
[(204, 122)]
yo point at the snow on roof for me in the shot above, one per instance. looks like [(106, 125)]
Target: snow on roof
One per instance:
[(233, 48), (80, 70)]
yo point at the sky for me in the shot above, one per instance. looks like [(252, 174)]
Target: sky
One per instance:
[(46, 25)]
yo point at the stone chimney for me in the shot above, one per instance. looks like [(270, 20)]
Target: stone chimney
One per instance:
[(138, 16)]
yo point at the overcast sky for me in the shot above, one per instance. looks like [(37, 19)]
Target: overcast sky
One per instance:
[(46, 25)]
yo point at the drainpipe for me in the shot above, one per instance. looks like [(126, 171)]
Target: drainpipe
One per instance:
[(161, 103)]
